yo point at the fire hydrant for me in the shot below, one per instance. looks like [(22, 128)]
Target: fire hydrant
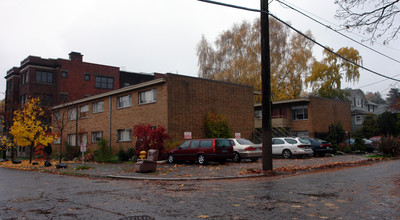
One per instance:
[(142, 155)]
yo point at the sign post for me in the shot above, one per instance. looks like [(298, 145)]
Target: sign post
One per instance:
[(83, 150)]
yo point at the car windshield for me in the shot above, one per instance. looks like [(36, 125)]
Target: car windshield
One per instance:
[(244, 142)]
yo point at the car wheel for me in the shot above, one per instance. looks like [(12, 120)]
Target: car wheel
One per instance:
[(201, 159), (237, 158), (287, 154), (171, 158), (254, 159)]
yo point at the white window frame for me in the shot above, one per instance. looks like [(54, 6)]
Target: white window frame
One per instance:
[(71, 114), (124, 135), (96, 135), (149, 96), (358, 120), (300, 110), (84, 111), (98, 107), (57, 115), (71, 139), (124, 101)]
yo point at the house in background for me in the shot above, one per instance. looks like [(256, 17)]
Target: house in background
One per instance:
[(305, 117), (360, 108), (178, 103)]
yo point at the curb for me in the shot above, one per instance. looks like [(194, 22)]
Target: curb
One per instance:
[(185, 178)]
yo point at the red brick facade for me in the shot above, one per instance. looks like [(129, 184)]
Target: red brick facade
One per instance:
[(180, 105)]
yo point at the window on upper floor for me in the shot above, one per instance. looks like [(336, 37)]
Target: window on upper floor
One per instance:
[(358, 120), (44, 77), (124, 101), (300, 112), (124, 135), (84, 111), (358, 102), (57, 115), (64, 74), (103, 82), (258, 114), (24, 77), (148, 96), (72, 114), (98, 107), (86, 77), (9, 85)]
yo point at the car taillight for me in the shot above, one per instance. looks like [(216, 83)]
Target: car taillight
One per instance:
[(213, 146), (250, 148), (302, 146)]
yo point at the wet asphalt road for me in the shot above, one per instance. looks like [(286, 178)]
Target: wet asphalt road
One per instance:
[(364, 192)]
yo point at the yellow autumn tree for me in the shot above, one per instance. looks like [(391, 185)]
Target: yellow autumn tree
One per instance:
[(28, 130), (235, 57), (327, 75)]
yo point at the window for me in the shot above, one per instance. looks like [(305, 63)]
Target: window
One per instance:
[(82, 139), (277, 141), (185, 145), (195, 144), (358, 120), (24, 77), (9, 85), (300, 112), (57, 115), (45, 100), (124, 135), (258, 114), (148, 96), (124, 101), (83, 111), (87, 77), (205, 143), (57, 141), (44, 77), (71, 139), (23, 99), (64, 74), (72, 114), (98, 107), (96, 136), (103, 82)]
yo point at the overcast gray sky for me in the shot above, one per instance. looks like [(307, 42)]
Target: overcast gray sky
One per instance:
[(158, 35)]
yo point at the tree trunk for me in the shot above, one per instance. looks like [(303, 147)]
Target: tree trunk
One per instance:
[(30, 154)]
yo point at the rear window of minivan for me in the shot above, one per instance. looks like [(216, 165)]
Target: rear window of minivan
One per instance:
[(222, 143)]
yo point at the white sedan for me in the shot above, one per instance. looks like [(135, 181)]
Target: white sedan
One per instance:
[(287, 146), (245, 149)]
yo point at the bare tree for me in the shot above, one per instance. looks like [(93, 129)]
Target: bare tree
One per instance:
[(375, 18)]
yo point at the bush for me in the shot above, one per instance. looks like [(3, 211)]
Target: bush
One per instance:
[(71, 152), (389, 145), (131, 153), (149, 137), (103, 153), (216, 126), (122, 155)]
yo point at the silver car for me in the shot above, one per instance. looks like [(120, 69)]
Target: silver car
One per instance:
[(245, 149), (288, 146)]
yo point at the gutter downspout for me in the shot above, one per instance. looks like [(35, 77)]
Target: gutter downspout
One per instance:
[(109, 122)]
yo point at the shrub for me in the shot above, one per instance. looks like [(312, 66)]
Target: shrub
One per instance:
[(216, 126), (103, 153), (150, 138), (71, 152), (122, 155), (389, 145), (131, 153)]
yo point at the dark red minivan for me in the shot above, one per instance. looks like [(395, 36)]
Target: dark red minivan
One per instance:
[(202, 150)]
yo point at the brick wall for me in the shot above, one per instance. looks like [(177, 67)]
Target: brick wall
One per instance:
[(189, 99)]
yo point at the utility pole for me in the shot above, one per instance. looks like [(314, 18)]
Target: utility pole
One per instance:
[(266, 89)]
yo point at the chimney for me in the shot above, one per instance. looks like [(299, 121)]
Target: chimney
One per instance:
[(75, 56)]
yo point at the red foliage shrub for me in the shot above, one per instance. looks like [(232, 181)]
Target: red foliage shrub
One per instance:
[(149, 137)]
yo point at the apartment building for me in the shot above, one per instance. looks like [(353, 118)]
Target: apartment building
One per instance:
[(178, 103)]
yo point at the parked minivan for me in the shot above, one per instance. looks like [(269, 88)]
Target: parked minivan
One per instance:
[(202, 150)]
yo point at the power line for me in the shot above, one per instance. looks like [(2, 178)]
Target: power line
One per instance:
[(329, 27), (299, 32)]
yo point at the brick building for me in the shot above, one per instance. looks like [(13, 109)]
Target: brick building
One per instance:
[(178, 103), (304, 117), (57, 81)]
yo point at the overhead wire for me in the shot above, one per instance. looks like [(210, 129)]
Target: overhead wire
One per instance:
[(299, 32), (330, 28)]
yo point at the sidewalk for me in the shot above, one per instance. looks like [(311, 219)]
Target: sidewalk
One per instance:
[(186, 171)]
